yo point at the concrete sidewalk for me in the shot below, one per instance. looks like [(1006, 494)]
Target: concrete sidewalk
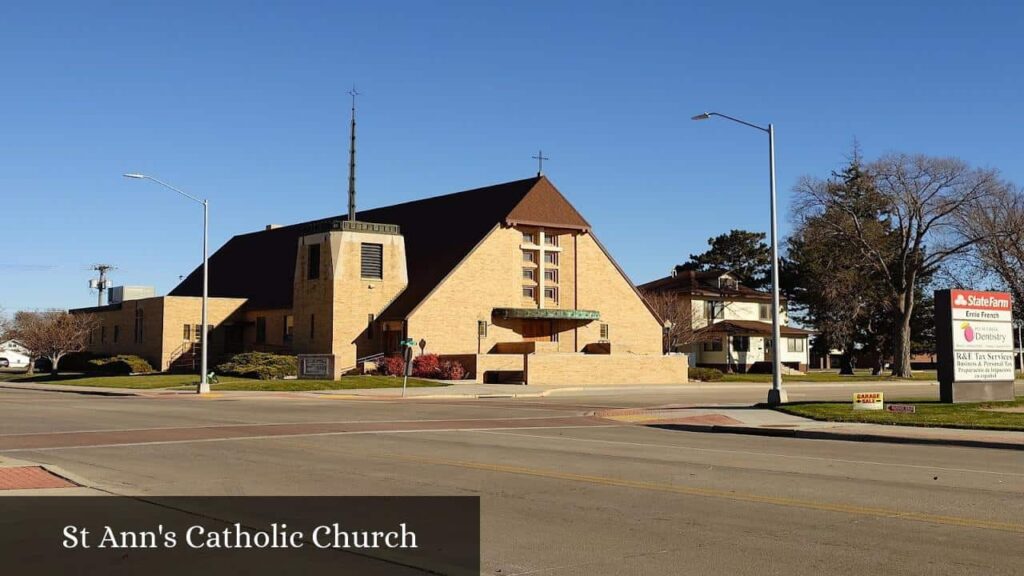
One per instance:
[(766, 422)]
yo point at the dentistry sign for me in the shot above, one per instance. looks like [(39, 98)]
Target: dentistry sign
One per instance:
[(974, 337)]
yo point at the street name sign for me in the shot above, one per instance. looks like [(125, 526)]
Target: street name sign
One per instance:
[(974, 344)]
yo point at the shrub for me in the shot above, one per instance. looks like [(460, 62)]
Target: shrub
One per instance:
[(262, 365), (122, 364), (426, 366), (705, 374), (80, 362), (392, 366), (452, 370)]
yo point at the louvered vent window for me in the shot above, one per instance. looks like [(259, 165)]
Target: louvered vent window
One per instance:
[(372, 261)]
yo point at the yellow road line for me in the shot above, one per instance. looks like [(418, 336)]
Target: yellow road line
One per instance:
[(723, 494)]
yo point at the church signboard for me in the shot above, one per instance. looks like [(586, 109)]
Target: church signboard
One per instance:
[(316, 366), (974, 340)]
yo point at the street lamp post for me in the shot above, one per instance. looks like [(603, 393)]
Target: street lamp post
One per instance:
[(776, 395), (1020, 344), (204, 384)]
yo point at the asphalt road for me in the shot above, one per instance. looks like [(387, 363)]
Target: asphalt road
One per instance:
[(563, 492)]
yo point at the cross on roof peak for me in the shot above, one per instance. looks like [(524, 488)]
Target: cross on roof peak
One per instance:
[(540, 158)]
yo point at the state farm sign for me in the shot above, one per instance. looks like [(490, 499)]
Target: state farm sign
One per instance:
[(987, 306)]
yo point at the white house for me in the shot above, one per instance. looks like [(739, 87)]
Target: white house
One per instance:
[(15, 353), (732, 323)]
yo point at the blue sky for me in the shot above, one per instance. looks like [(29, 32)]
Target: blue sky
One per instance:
[(244, 102)]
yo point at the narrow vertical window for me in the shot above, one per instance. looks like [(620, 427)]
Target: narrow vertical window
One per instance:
[(289, 328), (138, 325), (604, 331), (313, 261), (369, 326), (261, 329), (117, 332), (481, 328), (312, 325), (186, 332)]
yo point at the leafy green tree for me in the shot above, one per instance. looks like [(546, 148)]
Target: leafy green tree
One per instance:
[(741, 252)]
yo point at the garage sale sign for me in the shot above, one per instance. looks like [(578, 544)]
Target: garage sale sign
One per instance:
[(974, 337)]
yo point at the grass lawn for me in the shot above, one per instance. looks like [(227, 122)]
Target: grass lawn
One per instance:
[(827, 376), (930, 413), (182, 381)]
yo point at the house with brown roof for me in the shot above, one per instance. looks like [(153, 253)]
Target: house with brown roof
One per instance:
[(731, 324), (508, 279)]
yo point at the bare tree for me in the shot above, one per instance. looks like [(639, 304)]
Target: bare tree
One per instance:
[(52, 334), (677, 313), (5, 325), (998, 255), (921, 201)]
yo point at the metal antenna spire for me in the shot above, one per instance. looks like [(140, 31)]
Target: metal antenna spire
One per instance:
[(540, 158), (352, 160)]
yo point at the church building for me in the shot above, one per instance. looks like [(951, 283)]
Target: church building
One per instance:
[(508, 279)]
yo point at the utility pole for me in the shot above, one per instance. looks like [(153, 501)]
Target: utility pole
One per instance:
[(1020, 343), (100, 284)]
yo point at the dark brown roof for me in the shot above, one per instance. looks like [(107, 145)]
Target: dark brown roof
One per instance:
[(439, 232), (750, 327), (545, 206), (703, 283)]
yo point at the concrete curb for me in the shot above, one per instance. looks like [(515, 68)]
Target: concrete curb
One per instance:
[(73, 390), (830, 435), (428, 396)]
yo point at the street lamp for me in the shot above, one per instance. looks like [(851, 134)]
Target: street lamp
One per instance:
[(204, 384), (776, 395)]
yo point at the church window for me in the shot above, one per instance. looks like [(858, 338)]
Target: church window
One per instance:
[(313, 261), (138, 325), (289, 328), (261, 329)]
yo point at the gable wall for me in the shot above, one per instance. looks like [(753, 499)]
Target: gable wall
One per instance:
[(632, 327)]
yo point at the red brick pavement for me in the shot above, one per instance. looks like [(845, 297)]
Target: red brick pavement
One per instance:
[(30, 477)]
